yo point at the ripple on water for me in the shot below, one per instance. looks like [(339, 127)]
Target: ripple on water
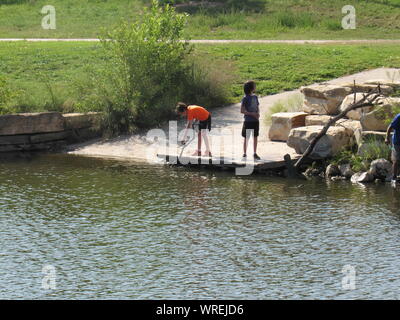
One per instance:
[(131, 230)]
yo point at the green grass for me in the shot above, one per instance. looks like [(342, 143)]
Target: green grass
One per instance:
[(34, 67), (282, 67), (289, 19)]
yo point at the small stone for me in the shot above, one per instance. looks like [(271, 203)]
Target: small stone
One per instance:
[(346, 171), (332, 171), (362, 177)]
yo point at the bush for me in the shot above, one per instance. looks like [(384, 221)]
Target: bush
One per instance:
[(147, 70), (145, 66)]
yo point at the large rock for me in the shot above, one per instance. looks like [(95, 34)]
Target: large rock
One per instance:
[(329, 145), (283, 122), (30, 123), (323, 98), (384, 82), (379, 118), (332, 171), (367, 87), (362, 177), (376, 120), (317, 120), (81, 120), (354, 114), (381, 169), (352, 125), (363, 137)]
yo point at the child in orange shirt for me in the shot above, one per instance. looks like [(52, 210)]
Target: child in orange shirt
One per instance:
[(193, 112)]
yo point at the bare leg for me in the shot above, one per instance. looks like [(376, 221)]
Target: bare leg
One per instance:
[(255, 143), (245, 142), (206, 142), (395, 169), (198, 151)]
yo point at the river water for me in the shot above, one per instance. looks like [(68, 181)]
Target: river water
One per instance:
[(113, 229)]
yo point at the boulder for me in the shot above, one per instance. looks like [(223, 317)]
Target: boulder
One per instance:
[(30, 123), (367, 87), (365, 136), (376, 120), (352, 125), (354, 114), (362, 177), (317, 120), (324, 98), (283, 122), (332, 171), (394, 84), (328, 146), (346, 171), (81, 120), (381, 169)]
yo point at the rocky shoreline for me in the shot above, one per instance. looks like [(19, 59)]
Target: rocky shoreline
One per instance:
[(359, 128)]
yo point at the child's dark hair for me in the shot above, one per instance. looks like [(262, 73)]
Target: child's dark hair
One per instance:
[(249, 87), (181, 107)]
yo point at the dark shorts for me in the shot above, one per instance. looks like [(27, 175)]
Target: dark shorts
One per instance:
[(395, 152), (252, 126), (206, 124)]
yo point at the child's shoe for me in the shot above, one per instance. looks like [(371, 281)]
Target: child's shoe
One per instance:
[(256, 157)]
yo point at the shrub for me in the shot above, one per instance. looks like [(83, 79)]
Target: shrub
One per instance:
[(147, 69), (145, 66)]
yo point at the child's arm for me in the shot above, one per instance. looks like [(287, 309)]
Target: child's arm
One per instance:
[(188, 126)]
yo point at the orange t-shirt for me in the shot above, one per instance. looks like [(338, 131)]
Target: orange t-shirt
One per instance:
[(197, 112)]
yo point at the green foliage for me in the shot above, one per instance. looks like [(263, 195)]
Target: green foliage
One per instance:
[(289, 19), (370, 150), (194, 5), (6, 94), (147, 70), (141, 80)]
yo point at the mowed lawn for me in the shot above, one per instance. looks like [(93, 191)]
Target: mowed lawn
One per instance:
[(41, 72), (271, 19)]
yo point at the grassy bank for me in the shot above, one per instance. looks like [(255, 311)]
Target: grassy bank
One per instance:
[(271, 19), (44, 74)]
